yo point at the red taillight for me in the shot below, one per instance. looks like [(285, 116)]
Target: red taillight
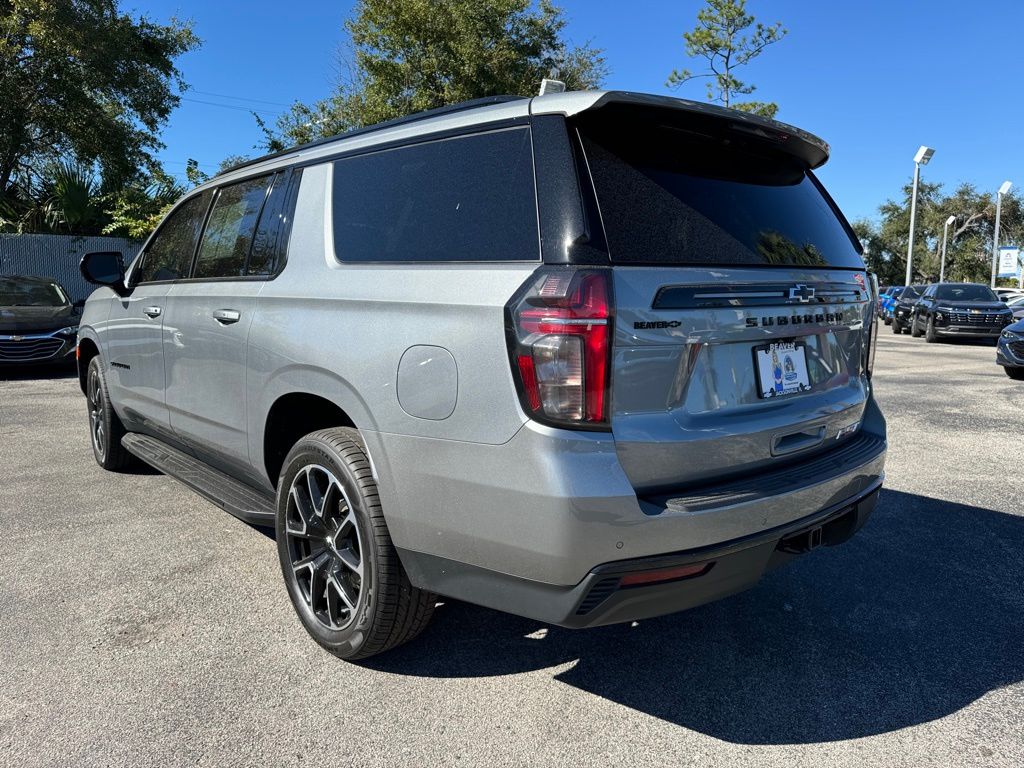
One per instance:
[(561, 329)]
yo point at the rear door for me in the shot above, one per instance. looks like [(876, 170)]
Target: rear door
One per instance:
[(741, 302), (133, 336), (208, 317)]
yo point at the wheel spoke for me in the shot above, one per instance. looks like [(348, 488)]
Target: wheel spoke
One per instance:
[(339, 599), (344, 591), (318, 484), (351, 560), (304, 522), (311, 574)]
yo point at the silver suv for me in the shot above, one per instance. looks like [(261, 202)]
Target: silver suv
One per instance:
[(587, 357)]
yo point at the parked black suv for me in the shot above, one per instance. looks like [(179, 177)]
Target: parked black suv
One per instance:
[(959, 309), (904, 306)]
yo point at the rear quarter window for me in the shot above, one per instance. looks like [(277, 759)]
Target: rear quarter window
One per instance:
[(463, 199)]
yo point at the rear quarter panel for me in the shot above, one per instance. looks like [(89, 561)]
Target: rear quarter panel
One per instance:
[(339, 331)]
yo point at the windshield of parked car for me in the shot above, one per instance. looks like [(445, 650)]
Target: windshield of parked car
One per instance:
[(1016, 301), (911, 292), (22, 293), (967, 292)]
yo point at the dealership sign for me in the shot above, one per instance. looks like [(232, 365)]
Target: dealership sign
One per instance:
[(1009, 261)]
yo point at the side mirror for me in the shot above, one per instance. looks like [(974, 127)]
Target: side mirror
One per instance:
[(104, 268)]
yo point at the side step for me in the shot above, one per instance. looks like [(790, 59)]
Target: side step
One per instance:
[(242, 501)]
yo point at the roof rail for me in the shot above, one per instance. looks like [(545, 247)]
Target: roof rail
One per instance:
[(415, 117)]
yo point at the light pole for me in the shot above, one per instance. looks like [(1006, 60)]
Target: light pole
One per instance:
[(924, 154), (1003, 189), (945, 233)]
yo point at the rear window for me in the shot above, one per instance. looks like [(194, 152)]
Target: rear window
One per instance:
[(469, 198), (668, 195)]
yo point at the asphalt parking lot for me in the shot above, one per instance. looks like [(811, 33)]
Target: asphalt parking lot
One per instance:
[(140, 625)]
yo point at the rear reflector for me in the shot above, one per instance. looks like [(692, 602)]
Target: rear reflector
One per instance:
[(665, 574)]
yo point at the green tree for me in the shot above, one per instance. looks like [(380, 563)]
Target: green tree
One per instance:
[(65, 198), (412, 55), (969, 246), (137, 208), (721, 38), (81, 80)]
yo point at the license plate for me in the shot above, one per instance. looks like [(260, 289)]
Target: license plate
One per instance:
[(781, 369)]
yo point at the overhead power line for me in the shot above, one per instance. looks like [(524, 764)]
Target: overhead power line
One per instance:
[(239, 98), (230, 106)]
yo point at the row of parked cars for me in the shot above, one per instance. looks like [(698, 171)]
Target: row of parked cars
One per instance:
[(960, 310)]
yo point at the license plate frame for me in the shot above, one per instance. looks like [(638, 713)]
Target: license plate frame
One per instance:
[(789, 377)]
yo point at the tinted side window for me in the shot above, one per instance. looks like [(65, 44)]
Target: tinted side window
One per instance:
[(230, 230), (169, 254), (274, 221), (469, 198)]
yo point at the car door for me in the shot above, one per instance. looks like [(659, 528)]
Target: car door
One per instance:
[(133, 336), (208, 317)]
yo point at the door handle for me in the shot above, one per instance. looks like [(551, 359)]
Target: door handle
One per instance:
[(152, 311), (226, 316)]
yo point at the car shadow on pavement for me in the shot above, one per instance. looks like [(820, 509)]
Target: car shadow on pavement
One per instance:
[(916, 617)]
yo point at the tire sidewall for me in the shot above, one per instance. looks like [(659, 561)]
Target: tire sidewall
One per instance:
[(96, 367), (347, 641)]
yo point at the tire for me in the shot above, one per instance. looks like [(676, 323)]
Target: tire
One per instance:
[(896, 328), (1017, 374), (914, 332), (105, 428), (341, 570), (929, 332)]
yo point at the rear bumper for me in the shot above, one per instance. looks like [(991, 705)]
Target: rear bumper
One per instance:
[(605, 595), (550, 506)]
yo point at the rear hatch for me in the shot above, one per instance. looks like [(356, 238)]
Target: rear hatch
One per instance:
[(741, 301)]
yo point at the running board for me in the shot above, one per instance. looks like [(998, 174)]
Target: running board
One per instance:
[(242, 501)]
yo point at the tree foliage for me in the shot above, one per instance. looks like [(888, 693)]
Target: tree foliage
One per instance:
[(81, 80), (412, 55), (137, 208), (722, 39), (969, 246)]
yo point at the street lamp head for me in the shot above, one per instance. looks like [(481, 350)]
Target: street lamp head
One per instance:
[(924, 154), (950, 220), (1005, 187)]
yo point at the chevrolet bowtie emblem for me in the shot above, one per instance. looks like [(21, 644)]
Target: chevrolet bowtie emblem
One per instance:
[(802, 293)]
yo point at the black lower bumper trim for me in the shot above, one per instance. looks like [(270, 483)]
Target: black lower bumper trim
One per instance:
[(600, 597)]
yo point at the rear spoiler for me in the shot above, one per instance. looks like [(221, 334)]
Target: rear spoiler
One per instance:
[(786, 138)]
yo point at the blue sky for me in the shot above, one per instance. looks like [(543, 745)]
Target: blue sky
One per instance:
[(875, 79)]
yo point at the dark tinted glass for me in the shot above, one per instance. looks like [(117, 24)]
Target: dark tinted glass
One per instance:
[(966, 292), (463, 199), (265, 244), (671, 196), (230, 229), (28, 293), (169, 255), (911, 292)]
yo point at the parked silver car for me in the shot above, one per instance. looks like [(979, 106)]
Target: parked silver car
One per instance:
[(588, 358)]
